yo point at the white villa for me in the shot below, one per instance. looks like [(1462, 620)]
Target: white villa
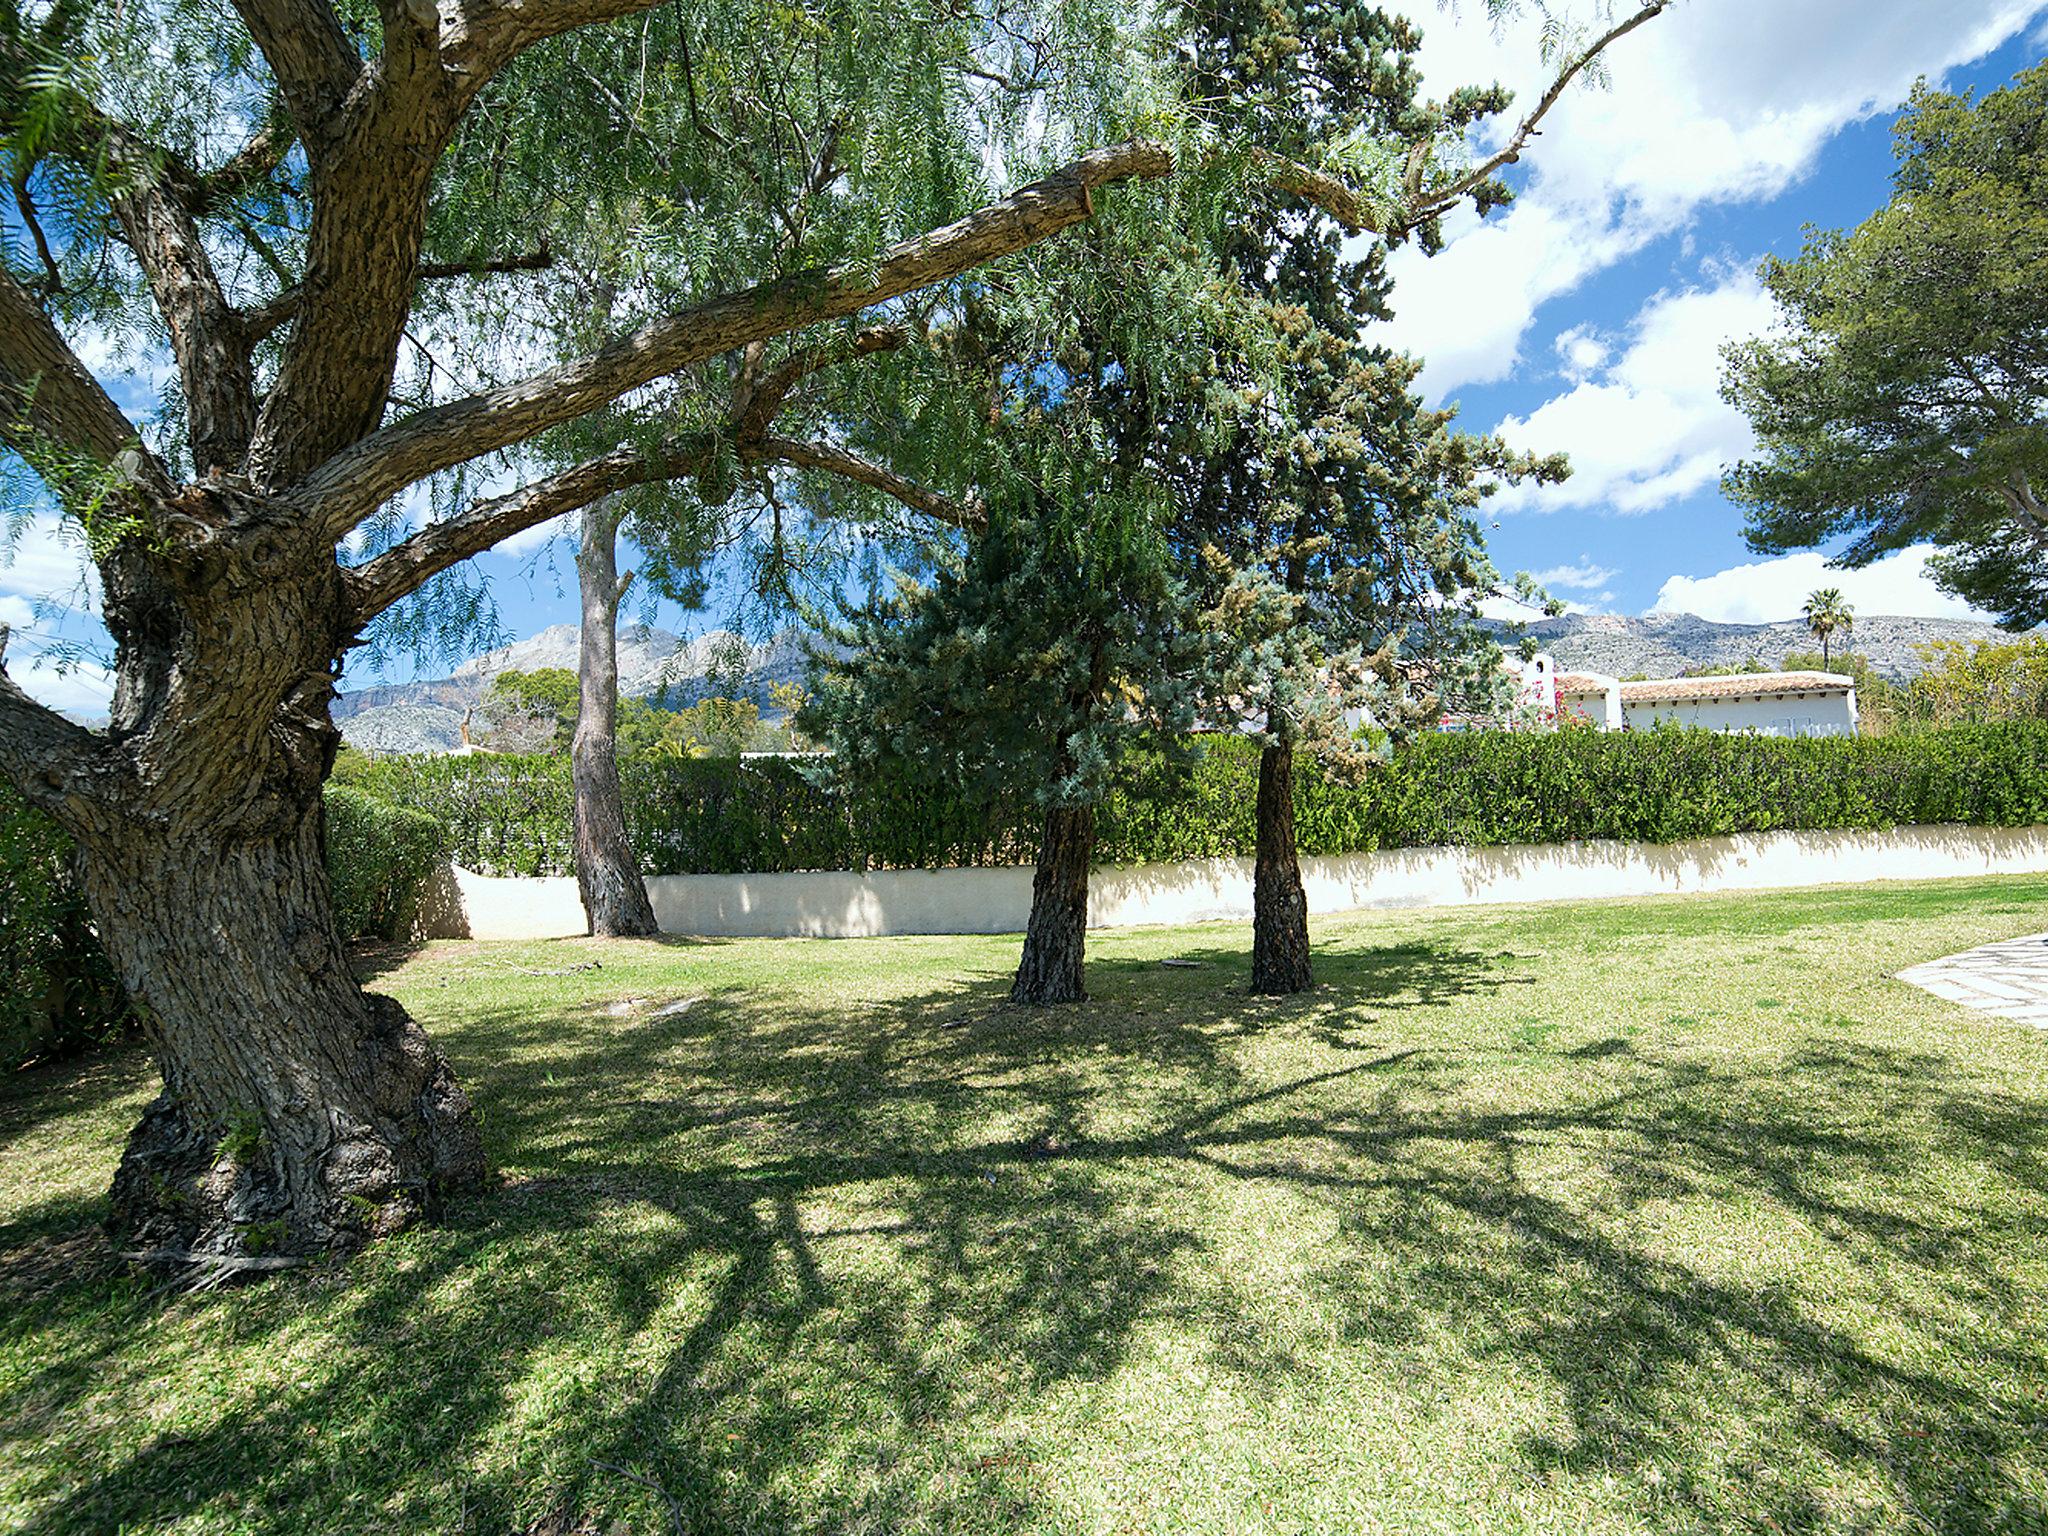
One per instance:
[(1766, 703)]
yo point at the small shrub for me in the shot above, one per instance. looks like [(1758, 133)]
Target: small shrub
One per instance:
[(61, 995)]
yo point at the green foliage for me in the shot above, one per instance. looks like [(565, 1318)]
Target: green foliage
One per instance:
[(243, 1139), (712, 727), (1060, 633), (1908, 399), (1030, 667), (378, 858), (61, 995), (529, 711), (1331, 528), (511, 816), (1974, 684)]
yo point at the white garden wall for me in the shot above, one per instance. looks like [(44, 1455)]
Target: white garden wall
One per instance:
[(842, 905)]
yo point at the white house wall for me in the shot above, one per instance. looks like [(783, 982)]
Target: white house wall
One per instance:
[(1793, 715)]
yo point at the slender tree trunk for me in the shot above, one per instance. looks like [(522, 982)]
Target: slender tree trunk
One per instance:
[(1280, 955), (1056, 936), (615, 900)]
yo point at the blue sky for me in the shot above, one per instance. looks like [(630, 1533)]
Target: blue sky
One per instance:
[(1587, 318)]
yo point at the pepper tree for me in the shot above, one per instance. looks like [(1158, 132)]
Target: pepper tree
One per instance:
[(302, 202)]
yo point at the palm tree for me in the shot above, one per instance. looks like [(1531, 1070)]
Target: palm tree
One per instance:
[(1826, 612)]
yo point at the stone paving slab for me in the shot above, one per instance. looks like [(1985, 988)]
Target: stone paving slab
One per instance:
[(2009, 979)]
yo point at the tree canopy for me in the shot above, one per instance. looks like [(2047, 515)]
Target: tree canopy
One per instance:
[(1906, 399), (430, 275)]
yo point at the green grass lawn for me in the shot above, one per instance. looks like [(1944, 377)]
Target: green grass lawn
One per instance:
[(1666, 1215)]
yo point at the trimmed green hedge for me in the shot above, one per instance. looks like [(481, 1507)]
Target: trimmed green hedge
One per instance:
[(511, 815), (61, 995), (378, 857)]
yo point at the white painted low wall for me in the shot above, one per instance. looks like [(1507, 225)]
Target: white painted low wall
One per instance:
[(843, 905)]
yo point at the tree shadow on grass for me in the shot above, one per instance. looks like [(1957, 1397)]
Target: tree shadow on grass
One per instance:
[(36, 1096), (800, 1271)]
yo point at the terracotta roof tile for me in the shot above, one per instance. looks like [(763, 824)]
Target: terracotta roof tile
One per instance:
[(1740, 685), (1583, 682)]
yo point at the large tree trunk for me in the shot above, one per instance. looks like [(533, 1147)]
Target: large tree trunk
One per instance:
[(298, 1114), (1055, 938), (615, 900), (1280, 959)]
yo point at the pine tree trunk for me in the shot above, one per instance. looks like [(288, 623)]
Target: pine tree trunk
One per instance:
[(615, 903), (1280, 955), (1055, 937)]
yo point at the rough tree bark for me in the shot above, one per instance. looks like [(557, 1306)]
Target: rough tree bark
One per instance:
[(1280, 955), (1055, 937), (298, 1112), (614, 896)]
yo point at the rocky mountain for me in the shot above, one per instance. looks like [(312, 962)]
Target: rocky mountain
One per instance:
[(1667, 644), (426, 716)]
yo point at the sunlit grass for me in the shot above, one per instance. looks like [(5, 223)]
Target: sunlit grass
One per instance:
[(1670, 1215)]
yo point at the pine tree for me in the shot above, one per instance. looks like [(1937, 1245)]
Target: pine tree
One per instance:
[(1336, 532), (1900, 402), (1055, 634), (1031, 664)]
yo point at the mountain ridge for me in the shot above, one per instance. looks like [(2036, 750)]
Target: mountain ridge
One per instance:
[(1667, 644), (426, 716)]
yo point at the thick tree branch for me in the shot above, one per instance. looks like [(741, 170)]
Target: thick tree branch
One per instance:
[(47, 758), (157, 201), (47, 394), (379, 582), (372, 166), (835, 460), (159, 226), (355, 481), (315, 63), (488, 34), (386, 579), (1440, 200)]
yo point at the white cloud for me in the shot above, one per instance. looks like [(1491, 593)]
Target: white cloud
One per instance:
[(1646, 426), (1715, 102), (49, 560), (1580, 352), (1769, 590), (78, 688), (1581, 577)]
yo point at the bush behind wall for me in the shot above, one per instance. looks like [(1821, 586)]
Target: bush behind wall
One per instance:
[(511, 815), (58, 991)]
